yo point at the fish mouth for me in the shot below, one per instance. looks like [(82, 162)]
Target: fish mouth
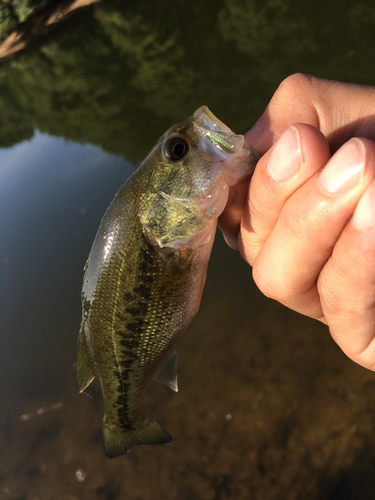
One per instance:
[(216, 139)]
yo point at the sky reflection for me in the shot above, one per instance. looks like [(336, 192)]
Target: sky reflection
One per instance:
[(53, 194)]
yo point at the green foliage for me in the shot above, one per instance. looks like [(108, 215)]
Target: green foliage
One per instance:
[(13, 12), (156, 61), (119, 74), (331, 38), (24, 8), (260, 27), (8, 19)]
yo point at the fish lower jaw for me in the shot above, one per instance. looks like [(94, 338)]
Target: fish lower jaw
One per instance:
[(242, 165)]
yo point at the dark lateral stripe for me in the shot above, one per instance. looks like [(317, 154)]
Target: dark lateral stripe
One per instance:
[(133, 317)]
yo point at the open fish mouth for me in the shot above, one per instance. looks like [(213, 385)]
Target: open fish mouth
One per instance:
[(216, 139)]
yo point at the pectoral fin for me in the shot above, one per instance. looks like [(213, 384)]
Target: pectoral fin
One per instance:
[(168, 372), (168, 222), (83, 373)]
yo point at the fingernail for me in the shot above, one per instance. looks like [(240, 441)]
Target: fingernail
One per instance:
[(364, 214), (254, 134), (232, 198), (231, 239), (285, 159), (344, 169)]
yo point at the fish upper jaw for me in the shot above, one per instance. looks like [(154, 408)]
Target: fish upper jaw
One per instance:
[(203, 117), (230, 149), (215, 137)]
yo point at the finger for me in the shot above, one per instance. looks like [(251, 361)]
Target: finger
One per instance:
[(300, 153), (347, 285), (230, 219), (309, 226), (339, 110)]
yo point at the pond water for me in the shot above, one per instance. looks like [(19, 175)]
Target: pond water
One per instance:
[(268, 406)]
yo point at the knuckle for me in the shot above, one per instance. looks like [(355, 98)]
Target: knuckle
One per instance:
[(257, 208), (337, 293), (295, 100), (295, 221), (268, 282), (346, 289), (249, 245), (330, 301), (296, 83)]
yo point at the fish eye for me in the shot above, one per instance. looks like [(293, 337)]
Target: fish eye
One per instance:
[(176, 148)]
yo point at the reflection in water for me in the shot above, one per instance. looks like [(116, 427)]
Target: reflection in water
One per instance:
[(22, 22), (287, 36), (119, 66), (47, 218), (107, 83)]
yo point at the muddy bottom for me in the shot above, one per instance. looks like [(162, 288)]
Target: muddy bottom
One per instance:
[(268, 408)]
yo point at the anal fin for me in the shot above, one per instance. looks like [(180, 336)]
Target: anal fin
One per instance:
[(168, 372)]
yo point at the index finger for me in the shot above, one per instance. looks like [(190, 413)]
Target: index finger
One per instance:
[(339, 110)]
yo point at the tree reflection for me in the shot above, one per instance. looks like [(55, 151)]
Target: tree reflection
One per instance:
[(334, 40), (13, 12), (119, 74)]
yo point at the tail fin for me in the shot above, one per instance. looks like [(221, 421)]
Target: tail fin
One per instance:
[(118, 440)]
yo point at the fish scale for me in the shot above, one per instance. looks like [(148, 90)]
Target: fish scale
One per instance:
[(146, 271)]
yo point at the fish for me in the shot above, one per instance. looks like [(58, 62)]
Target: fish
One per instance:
[(146, 271)]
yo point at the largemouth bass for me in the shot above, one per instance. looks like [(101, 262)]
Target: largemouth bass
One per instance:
[(146, 270)]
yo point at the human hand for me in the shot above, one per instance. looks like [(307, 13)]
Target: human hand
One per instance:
[(307, 225)]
